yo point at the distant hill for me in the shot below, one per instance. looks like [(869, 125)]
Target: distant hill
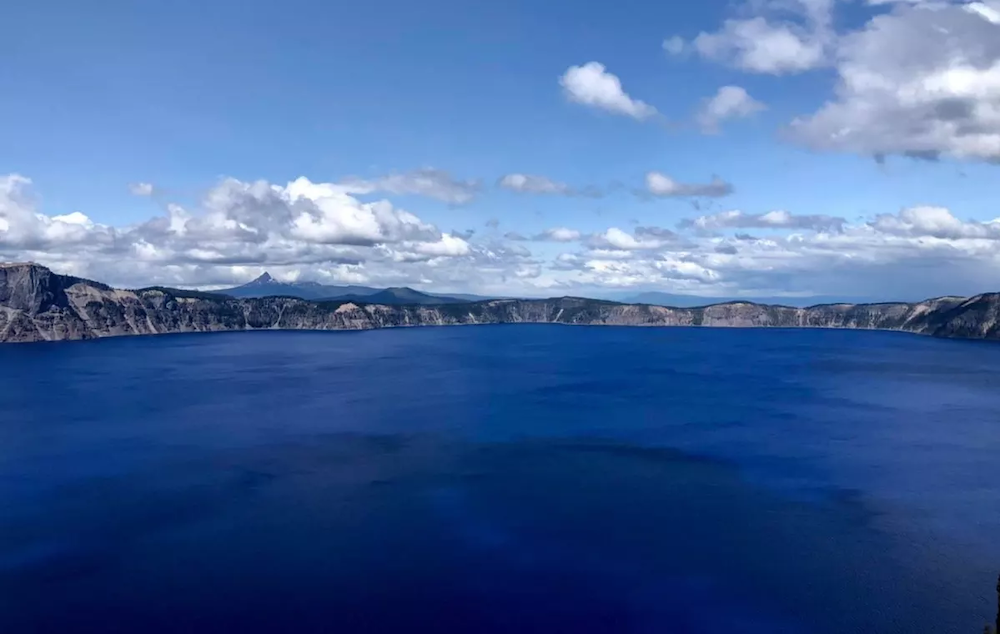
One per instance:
[(666, 299), (267, 286), (467, 297), (401, 296), (656, 298)]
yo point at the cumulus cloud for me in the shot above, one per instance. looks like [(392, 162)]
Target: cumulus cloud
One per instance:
[(643, 238), (23, 229), (555, 234), (878, 258), (760, 46), (541, 185), (935, 222), (771, 220), (446, 246), (141, 189), (530, 184), (558, 234), (663, 186), (655, 232), (916, 78), (592, 85), (237, 230), (989, 10), (428, 182), (922, 80), (774, 37), (675, 45), (730, 102), (667, 271), (319, 231)]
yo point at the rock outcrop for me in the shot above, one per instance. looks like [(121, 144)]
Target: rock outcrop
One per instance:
[(39, 305)]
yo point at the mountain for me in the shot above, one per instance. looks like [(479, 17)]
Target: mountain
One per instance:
[(402, 296), (267, 286), (39, 305)]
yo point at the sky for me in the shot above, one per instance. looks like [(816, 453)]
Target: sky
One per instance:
[(723, 149)]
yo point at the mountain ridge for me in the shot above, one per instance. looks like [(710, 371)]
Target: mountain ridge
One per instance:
[(399, 296), (670, 300), (266, 286), (37, 304)]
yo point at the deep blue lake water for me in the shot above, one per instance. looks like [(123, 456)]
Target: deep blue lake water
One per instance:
[(501, 479)]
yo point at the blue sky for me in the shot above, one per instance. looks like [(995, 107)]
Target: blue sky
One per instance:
[(182, 96)]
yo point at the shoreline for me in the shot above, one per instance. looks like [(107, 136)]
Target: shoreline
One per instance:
[(475, 325), (37, 305)]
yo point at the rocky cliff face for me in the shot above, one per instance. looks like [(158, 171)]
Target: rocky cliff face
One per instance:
[(39, 305)]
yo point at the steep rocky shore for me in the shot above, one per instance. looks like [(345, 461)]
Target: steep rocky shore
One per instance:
[(39, 305)]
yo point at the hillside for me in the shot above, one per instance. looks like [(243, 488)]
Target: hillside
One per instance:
[(39, 305)]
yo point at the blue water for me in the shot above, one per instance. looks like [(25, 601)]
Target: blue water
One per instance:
[(501, 479)]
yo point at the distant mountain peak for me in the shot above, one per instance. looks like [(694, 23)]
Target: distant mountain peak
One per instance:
[(267, 286)]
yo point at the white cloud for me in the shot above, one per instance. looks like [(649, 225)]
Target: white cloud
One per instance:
[(317, 231), (771, 220), (541, 185), (655, 232), (74, 218), (989, 11), (447, 246), (730, 102), (616, 239), (661, 185), (555, 234), (774, 37), (856, 261), (760, 46), (530, 184), (675, 45), (22, 227), (917, 78), (677, 268), (921, 81), (238, 229), (935, 222), (592, 85), (141, 189), (428, 182), (559, 234)]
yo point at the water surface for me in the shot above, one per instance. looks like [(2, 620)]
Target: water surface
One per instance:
[(500, 479)]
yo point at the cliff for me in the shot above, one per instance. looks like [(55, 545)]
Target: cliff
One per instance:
[(39, 305)]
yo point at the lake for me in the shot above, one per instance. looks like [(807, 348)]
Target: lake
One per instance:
[(501, 479)]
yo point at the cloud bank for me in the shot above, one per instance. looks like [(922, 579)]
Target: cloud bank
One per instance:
[(917, 78), (320, 231)]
